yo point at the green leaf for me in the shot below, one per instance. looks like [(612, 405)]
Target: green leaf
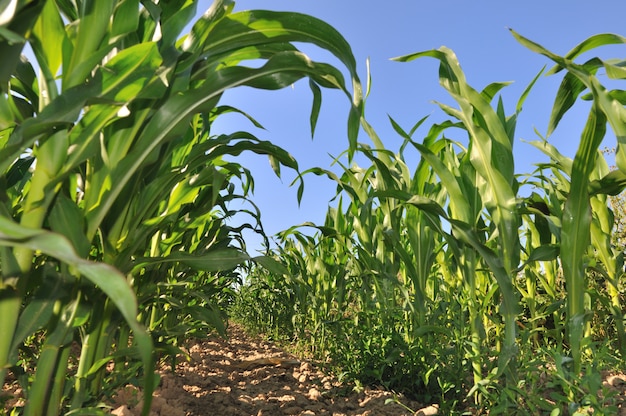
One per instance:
[(59, 114), (576, 228), (209, 315), (259, 27), (588, 44), (212, 261), (545, 252), (179, 108), (67, 219), (562, 162), (36, 314), (48, 35), (174, 18), (522, 98), (90, 43), (105, 277), (611, 184), (458, 200), (13, 39), (125, 75), (125, 18), (317, 105), (271, 265), (492, 89), (569, 90)]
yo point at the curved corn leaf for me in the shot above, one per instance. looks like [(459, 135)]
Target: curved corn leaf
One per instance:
[(280, 71), (588, 44), (490, 150)]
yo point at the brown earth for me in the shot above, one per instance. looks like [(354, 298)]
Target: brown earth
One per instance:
[(244, 375)]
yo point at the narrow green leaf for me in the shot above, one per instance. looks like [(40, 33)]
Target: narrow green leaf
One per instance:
[(67, 219), (522, 98), (125, 18), (575, 234), (61, 113), (36, 314), (124, 76), (211, 261), (209, 315), (546, 252), (260, 27), (611, 184), (48, 35), (224, 109), (492, 89), (174, 18), (317, 105), (271, 264), (90, 46), (460, 208), (569, 90), (13, 38), (588, 44)]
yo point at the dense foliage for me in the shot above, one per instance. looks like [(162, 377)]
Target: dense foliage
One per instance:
[(455, 280), (114, 220), (458, 281)]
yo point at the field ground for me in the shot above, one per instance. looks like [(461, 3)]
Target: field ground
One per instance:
[(243, 375), (247, 376)]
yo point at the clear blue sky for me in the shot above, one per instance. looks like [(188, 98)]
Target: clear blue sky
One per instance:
[(475, 30)]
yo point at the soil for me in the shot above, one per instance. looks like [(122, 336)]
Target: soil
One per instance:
[(246, 376), (242, 376)]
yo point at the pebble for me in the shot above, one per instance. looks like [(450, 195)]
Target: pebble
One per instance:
[(314, 394), (122, 411), (615, 381), (428, 411)]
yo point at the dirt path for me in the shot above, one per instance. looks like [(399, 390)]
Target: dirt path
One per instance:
[(243, 376)]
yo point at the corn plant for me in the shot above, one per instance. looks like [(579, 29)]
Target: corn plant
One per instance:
[(577, 225), (116, 191), (482, 196), (461, 266)]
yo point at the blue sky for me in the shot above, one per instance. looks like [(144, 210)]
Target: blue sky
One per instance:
[(475, 30)]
